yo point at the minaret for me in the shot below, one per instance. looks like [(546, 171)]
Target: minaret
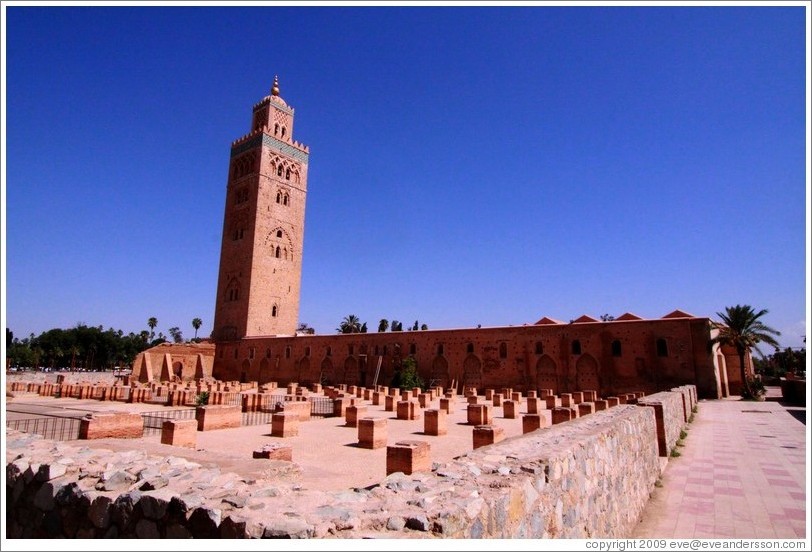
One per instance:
[(263, 227)]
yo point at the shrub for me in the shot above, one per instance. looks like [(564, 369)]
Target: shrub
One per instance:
[(407, 377), (202, 399), (757, 390)]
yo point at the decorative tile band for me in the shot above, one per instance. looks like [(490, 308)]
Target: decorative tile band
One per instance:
[(272, 143)]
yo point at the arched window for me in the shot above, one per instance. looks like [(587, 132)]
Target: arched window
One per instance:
[(287, 174), (469, 348), (576, 347), (539, 348), (284, 130), (279, 171), (274, 311), (285, 199), (278, 252), (616, 348), (276, 129), (279, 233), (279, 197), (503, 350), (662, 348)]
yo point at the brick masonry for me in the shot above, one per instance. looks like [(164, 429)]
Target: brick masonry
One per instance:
[(121, 425)]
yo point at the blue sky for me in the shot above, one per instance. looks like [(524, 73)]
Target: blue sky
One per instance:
[(469, 165)]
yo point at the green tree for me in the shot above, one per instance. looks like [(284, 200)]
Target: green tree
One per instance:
[(424, 326), (350, 324), (407, 377), (741, 329), (177, 335), (416, 326), (305, 328), (152, 323), (397, 326), (196, 323), (383, 325)]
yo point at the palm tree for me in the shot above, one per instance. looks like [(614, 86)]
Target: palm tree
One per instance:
[(196, 323), (177, 335), (741, 328), (383, 325), (152, 322), (350, 324)]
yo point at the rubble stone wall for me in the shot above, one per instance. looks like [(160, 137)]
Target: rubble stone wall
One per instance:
[(590, 477)]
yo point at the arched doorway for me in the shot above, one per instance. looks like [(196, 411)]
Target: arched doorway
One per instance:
[(586, 374), (472, 372), (177, 370), (303, 376), (264, 371), (439, 371), (351, 371), (327, 376), (546, 377)]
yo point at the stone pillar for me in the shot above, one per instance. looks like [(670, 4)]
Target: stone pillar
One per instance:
[(510, 409), (179, 433), (372, 433), (613, 401), (408, 457), (516, 397), (472, 399), (497, 399), (533, 405), (284, 424), (585, 408), (577, 397), (600, 404), (354, 413), (408, 410), (389, 403), (566, 400), (376, 398), (340, 406), (488, 394), (532, 422), (316, 388), (532, 394), (424, 399), (367, 394), (435, 422), (551, 401), (447, 405), (561, 414), (590, 396), (479, 414), (487, 435)]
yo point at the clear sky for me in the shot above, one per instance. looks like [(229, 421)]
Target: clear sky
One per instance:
[(468, 165)]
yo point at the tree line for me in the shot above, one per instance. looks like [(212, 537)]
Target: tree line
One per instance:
[(86, 347), (353, 324)]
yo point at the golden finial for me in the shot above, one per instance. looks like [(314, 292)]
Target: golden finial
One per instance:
[(275, 89)]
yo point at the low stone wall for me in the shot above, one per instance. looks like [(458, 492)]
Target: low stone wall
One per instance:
[(586, 478), (91, 378), (669, 413), (117, 425)]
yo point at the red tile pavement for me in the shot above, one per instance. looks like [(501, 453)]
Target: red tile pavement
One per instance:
[(742, 474)]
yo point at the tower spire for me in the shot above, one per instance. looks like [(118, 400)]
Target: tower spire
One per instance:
[(275, 89)]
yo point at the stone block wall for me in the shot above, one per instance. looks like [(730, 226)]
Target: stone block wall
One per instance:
[(218, 417), (667, 406), (121, 425), (587, 478)]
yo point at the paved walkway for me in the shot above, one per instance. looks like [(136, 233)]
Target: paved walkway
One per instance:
[(741, 474)]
